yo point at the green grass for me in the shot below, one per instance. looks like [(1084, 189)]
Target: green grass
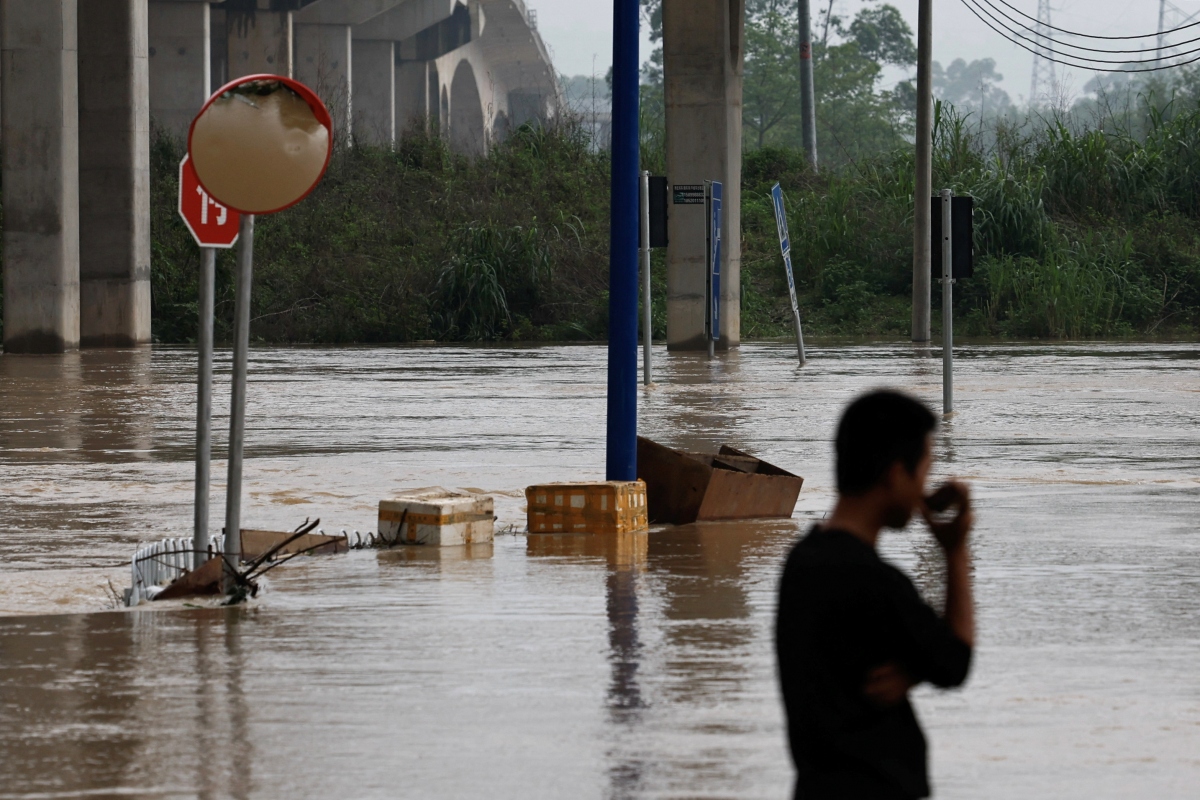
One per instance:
[(411, 243), (1080, 233)]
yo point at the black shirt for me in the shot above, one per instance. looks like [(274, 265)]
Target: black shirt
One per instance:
[(843, 611)]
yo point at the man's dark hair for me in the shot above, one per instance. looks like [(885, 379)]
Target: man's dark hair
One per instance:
[(876, 431)]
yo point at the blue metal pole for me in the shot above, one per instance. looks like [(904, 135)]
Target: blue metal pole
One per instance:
[(623, 269)]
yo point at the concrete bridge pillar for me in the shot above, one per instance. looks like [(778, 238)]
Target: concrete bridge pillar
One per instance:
[(40, 120), (375, 91), (324, 64), (180, 61), (260, 41), (412, 95), (114, 173), (702, 65)]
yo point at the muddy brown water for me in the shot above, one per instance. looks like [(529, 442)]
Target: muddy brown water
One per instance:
[(259, 153), (550, 668)]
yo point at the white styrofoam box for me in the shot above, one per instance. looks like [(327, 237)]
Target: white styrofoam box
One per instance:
[(438, 517)]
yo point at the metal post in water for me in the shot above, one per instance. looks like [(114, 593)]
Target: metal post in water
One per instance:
[(709, 300), (947, 302), (924, 177), (237, 404), (621, 441), (799, 338), (647, 315), (204, 371)]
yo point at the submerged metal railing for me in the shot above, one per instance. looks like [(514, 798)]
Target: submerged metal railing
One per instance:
[(155, 566)]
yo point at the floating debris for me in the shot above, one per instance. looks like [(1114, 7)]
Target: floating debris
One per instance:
[(686, 487)]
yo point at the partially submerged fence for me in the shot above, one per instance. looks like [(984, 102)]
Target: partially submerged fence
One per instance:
[(155, 566)]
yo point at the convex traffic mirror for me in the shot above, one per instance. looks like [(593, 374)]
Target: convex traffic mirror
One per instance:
[(261, 143)]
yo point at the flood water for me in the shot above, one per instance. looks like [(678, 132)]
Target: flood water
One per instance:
[(575, 667)]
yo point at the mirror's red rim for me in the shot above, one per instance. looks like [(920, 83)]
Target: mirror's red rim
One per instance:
[(308, 95)]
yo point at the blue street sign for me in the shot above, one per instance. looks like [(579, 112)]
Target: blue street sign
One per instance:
[(785, 246), (714, 261), (785, 241)]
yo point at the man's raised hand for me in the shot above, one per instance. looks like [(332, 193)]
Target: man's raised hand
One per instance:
[(953, 498)]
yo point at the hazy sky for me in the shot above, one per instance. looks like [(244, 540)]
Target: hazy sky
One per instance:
[(578, 30)]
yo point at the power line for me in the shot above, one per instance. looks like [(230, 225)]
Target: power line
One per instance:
[(1041, 37), (1064, 44), (1022, 45), (1178, 19), (1095, 36)]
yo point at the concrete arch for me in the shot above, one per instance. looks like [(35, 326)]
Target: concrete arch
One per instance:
[(467, 130)]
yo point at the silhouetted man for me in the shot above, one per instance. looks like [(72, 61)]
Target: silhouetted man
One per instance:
[(853, 636)]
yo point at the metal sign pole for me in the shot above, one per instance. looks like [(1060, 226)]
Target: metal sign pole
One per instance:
[(796, 317), (708, 259), (647, 372), (715, 200), (237, 406), (947, 303), (785, 246), (204, 337)]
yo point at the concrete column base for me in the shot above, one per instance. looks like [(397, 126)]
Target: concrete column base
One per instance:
[(702, 64), (114, 312), (39, 70)]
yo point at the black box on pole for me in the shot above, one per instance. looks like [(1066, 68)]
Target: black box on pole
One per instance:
[(659, 198), (962, 224)]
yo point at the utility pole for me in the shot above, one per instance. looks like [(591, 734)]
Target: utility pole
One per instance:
[(921, 304), (808, 103)]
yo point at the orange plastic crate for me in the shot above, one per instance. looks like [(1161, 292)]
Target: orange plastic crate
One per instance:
[(610, 507)]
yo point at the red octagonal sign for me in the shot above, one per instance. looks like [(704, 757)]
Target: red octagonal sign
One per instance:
[(211, 223)]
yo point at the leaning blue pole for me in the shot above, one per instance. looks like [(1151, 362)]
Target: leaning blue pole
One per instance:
[(623, 252)]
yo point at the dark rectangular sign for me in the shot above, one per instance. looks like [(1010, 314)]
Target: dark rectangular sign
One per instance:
[(658, 211), (962, 225), (689, 194)]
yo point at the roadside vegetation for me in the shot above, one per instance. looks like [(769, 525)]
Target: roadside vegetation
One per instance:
[(1088, 217), (411, 243)]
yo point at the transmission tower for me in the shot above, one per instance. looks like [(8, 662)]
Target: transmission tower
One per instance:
[(1044, 82), (1170, 18)]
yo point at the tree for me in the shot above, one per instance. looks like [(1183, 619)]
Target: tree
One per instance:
[(883, 36), (771, 89), (855, 116), (971, 87)]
